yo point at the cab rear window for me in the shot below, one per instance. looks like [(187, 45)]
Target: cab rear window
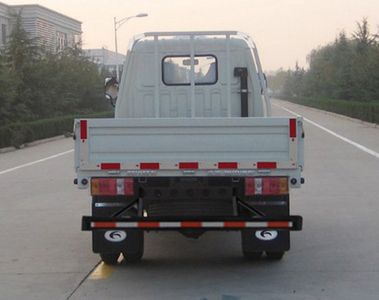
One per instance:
[(176, 70)]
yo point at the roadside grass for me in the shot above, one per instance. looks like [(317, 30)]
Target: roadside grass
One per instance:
[(365, 111), (17, 134)]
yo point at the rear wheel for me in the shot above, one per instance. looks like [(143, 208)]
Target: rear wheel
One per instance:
[(138, 248), (275, 255), (135, 252), (132, 257), (110, 258), (248, 250)]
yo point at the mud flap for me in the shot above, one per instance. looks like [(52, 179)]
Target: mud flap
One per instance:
[(113, 241), (265, 240)]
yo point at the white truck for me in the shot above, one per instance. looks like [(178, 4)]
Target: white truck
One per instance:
[(192, 148)]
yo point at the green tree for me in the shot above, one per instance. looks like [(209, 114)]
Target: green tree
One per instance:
[(48, 84), (276, 81), (20, 55), (346, 69), (20, 50), (8, 94), (363, 36)]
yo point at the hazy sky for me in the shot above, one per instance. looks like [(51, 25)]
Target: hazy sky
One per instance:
[(284, 30)]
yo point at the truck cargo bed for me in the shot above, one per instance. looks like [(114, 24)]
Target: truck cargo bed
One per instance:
[(198, 146)]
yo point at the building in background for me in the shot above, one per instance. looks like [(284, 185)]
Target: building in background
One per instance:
[(4, 23), (50, 28), (106, 59)]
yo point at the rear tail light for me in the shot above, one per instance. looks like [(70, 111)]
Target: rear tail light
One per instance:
[(112, 186), (266, 186)]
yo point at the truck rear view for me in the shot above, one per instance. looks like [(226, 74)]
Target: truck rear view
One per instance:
[(192, 148)]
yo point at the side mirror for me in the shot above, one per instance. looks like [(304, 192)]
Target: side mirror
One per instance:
[(266, 82), (111, 90), (270, 92)]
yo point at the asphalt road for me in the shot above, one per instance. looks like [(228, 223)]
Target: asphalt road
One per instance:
[(44, 255)]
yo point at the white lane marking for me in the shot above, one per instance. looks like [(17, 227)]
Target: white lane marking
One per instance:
[(355, 144), (35, 162)]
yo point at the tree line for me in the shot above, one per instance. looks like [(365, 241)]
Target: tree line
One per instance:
[(346, 69), (36, 84)]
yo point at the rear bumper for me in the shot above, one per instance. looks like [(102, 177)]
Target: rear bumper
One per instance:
[(291, 223)]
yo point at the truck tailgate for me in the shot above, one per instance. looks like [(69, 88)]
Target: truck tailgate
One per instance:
[(198, 146)]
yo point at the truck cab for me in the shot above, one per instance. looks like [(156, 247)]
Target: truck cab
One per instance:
[(193, 148), (191, 76)]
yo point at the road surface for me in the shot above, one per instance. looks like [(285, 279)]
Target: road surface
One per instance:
[(44, 255)]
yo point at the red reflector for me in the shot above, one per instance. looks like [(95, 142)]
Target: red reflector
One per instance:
[(149, 166), (83, 129), (292, 128), (104, 225), (188, 165), (190, 224), (147, 224), (110, 166), (234, 224), (249, 186), (266, 165), (228, 165), (278, 224)]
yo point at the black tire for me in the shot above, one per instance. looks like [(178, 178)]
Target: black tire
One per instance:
[(132, 257), (248, 249), (136, 255), (110, 258), (138, 248), (252, 255), (275, 255)]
